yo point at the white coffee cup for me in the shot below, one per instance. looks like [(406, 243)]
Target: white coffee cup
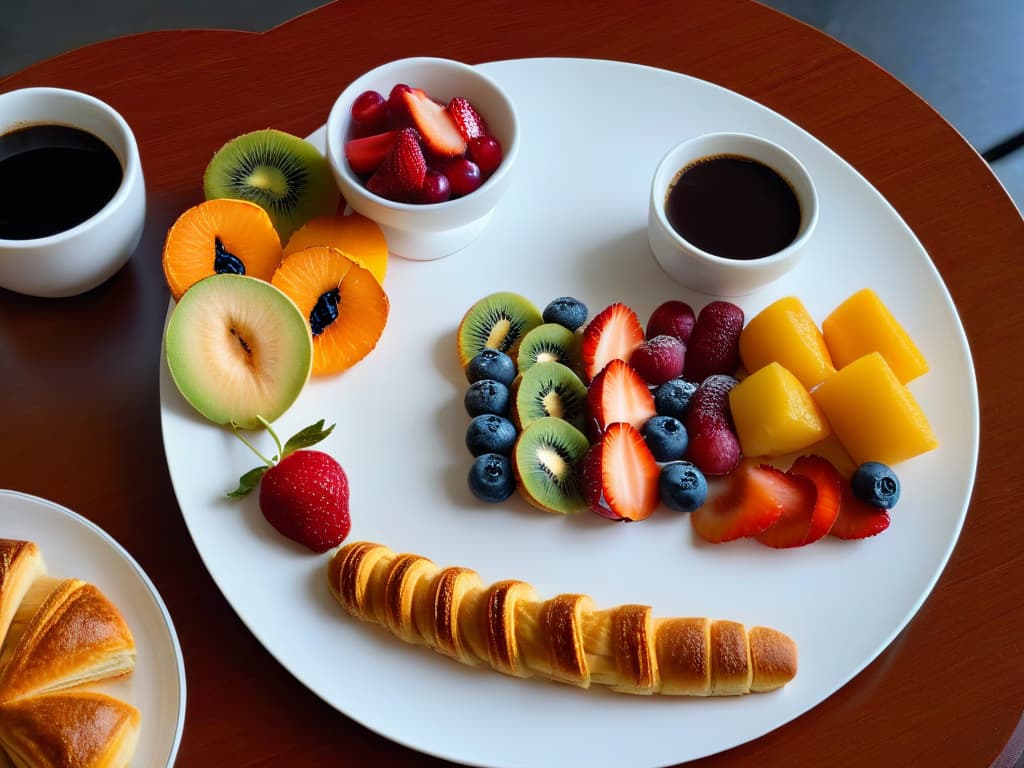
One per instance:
[(706, 272), (80, 258)]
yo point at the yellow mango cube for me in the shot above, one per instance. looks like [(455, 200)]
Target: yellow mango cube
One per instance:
[(774, 414), (863, 324), (873, 414), (784, 332)]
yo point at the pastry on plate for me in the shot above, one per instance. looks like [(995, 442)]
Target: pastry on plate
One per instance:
[(566, 639), (83, 729), (72, 637), (21, 563)]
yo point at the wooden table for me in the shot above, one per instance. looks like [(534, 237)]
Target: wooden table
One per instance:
[(78, 377)]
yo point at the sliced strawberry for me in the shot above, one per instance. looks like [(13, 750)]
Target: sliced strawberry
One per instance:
[(797, 496), (619, 476), (366, 154), (400, 176), (827, 482), (856, 519), (750, 504), (435, 124), (613, 334), (618, 393), (466, 118)]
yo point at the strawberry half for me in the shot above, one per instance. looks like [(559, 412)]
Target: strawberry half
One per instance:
[(467, 119), (366, 154), (619, 476), (400, 176), (857, 519), (828, 494), (613, 334), (304, 495), (797, 498), (751, 503), (617, 394), (435, 124)]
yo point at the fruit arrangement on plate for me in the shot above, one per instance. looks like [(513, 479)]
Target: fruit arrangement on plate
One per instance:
[(273, 285), (775, 429)]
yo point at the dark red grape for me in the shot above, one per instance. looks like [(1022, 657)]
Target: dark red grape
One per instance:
[(463, 176), (436, 188), (486, 152), (369, 114)]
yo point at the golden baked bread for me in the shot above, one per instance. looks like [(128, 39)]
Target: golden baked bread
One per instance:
[(507, 626), (21, 563), (75, 636), (73, 729)]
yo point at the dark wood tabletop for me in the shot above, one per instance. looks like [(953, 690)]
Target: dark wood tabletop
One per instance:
[(79, 377)]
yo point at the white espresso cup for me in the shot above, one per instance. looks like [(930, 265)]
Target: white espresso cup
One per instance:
[(83, 256), (709, 273)]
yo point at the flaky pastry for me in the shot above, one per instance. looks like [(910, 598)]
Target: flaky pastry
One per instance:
[(565, 639)]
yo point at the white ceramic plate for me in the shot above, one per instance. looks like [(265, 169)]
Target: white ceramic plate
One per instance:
[(574, 223), (74, 547)]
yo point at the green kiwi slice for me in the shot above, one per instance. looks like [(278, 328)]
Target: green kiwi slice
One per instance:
[(544, 461), (499, 321), (285, 175), (550, 389), (549, 342)]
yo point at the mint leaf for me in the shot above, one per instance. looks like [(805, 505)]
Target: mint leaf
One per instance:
[(248, 482), (307, 437)]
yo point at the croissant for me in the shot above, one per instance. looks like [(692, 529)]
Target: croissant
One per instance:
[(74, 636), (565, 639), (21, 563), (69, 729)]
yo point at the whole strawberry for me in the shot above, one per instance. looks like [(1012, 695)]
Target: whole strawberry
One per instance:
[(304, 493)]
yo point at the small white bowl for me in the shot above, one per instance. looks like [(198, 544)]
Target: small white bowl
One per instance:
[(706, 272), (429, 231), (77, 259)]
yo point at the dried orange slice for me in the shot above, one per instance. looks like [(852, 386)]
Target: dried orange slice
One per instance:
[(343, 303), (220, 236), (355, 235)]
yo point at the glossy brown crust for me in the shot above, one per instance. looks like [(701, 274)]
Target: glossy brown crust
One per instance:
[(21, 563), (69, 730), (76, 636), (507, 626)]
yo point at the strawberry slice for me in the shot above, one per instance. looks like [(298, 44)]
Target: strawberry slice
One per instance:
[(466, 118), (797, 497), (619, 394), (435, 124), (857, 519), (400, 176), (613, 334), (827, 483), (750, 504), (366, 154), (619, 476)]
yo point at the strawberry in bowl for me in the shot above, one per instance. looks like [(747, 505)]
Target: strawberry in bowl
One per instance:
[(424, 147)]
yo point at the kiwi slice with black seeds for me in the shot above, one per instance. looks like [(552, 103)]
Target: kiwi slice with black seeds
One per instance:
[(549, 342), (550, 389), (544, 461), (285, 175), (499, 321)]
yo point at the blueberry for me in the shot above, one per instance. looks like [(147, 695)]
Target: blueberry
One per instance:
[(566, 311), (487, 396), (491, 479), (488, 433), (666, 437), (876, 484), (682, 486), (491, 364), (673, 397)]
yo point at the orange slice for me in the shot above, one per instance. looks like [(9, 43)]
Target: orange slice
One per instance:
[(220, 236), (344, 305), (355, 235)]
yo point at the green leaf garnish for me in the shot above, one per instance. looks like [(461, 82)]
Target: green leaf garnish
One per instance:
[(307, 437), (304, 438), (248, 482)]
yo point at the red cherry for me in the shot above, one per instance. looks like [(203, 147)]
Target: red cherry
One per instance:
[(369, 114), (486, 152), (436, 188), (398, 112), (463, 175)]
